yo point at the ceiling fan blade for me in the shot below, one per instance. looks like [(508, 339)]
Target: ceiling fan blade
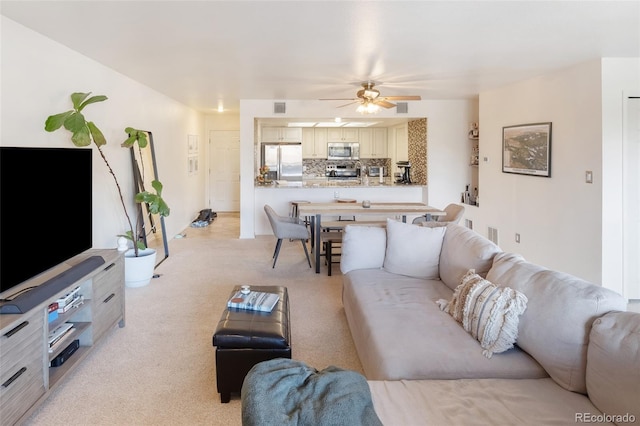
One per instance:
[(403, 98), (338, 99), (350, 103), (384, 103)]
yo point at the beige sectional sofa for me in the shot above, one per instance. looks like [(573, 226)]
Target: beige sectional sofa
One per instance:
[(576, 357)]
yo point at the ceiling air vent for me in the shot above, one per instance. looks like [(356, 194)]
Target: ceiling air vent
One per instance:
[(279, 108), (402, 108)]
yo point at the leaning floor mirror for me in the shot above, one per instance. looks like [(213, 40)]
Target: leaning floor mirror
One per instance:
[(150, 226)]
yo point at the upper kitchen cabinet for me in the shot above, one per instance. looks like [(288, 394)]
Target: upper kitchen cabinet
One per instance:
[(342, 134), (373, 143), (314, 143), (281, 134), (401, 143)]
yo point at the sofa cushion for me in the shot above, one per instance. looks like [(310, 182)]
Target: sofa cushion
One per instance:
[(464, 249), (413, 250), (488, 312), (560, 310), (363, 247), (532, 402), (400, 332), (613, 364)]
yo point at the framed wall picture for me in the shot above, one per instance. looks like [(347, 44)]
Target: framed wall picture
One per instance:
[(192, 144), (526, 149), (192, 154)]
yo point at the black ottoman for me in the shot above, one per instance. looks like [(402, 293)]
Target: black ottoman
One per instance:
[(244, 338)]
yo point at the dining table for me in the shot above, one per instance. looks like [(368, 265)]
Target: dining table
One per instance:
[(315, 212)]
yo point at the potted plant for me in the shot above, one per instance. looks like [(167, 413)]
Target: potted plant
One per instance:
[(83, 133)]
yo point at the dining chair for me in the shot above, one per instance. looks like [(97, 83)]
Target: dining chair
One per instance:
[(287, 227), (453, 212)]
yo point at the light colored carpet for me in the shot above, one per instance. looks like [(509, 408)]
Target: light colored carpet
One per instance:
[(160, 368)]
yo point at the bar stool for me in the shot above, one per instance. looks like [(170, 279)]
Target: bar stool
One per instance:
[(294, 207), (295, 213), (331, 240)]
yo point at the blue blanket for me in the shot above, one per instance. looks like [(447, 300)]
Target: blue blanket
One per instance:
[(288, 392)]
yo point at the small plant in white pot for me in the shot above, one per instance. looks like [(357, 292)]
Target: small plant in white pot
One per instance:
[(83, 134)]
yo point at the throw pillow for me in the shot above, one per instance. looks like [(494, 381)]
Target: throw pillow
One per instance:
[(363, 247), (488, 312), (413, 250)]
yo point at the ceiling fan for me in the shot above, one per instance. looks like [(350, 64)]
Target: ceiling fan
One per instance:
[(370, 100)]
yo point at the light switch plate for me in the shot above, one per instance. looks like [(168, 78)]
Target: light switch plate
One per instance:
[(588, 176)]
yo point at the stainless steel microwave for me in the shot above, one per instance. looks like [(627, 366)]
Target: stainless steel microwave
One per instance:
[(343, 151)]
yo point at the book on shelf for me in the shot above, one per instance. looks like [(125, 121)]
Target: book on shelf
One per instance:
[(253, 301)]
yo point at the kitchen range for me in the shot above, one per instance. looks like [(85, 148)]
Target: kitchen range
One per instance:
[(342, 172)]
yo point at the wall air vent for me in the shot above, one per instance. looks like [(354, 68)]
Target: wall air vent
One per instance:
[(279, 107), (468, 223), (402, 108)]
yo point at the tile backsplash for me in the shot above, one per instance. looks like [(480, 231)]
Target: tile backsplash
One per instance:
[(316, 168)]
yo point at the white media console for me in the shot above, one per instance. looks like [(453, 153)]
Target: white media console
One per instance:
[(26, 378)]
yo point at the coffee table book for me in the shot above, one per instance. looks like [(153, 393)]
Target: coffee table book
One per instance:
[(253, 301)]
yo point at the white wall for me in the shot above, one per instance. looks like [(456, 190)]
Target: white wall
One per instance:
[(447, 126), (38, 75), (559, 219)]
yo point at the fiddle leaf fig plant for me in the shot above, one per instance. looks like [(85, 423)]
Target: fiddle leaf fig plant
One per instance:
[(84, 132)]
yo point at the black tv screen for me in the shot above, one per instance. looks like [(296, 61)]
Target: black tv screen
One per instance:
[(45, 210)]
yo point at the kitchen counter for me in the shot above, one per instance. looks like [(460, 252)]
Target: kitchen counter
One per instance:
[(324, 183)]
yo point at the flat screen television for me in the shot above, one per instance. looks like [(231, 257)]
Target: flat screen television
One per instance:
[(45, 210)]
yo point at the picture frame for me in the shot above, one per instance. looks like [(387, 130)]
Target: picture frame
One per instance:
[(526, 149), (192, 144)]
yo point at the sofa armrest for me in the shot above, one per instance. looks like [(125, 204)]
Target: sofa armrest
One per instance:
[(363, 247)]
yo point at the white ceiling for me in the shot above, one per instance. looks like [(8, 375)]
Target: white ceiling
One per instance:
[(203, 53)]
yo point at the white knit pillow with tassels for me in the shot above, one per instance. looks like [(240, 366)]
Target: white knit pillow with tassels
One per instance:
[(488, 312)]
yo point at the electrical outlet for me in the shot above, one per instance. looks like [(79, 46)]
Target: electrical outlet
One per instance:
[(517, 238), (336, 194)]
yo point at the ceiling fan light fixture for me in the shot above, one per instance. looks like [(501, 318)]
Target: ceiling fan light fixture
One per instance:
[(368, 108)]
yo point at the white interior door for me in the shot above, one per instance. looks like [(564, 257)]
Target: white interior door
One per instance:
[(631, 198), (224, 175)]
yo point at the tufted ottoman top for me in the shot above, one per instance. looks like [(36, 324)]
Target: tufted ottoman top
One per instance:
[(239, 328)]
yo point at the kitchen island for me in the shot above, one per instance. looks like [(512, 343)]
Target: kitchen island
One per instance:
[(322, 191)]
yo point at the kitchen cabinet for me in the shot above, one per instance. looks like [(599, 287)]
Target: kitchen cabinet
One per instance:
[(342, 134), (281, 134), (402, 143), (373, 143), (314, 143)]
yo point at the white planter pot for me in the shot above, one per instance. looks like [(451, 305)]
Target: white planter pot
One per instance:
[(138, 271)]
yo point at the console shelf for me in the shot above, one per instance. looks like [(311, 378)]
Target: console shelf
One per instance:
[(26, 379)]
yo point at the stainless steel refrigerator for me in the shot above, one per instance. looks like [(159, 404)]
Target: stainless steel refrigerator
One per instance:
[(284, 161)]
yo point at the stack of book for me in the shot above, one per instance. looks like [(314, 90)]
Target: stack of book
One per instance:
[(70, 300), (253, 301)]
